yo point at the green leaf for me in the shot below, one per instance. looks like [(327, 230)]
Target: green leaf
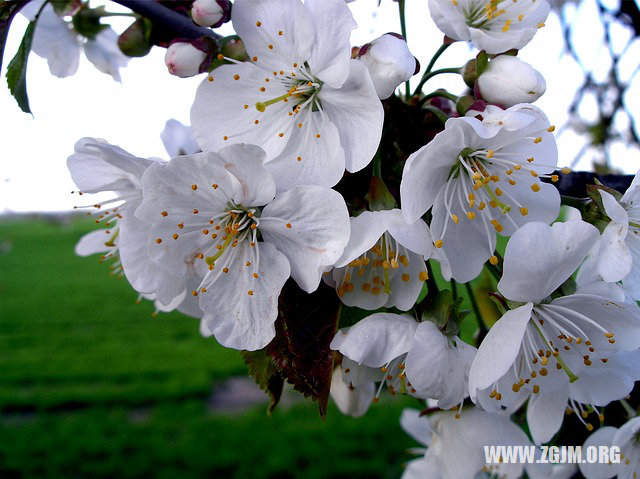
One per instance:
[(17, 70), (266, 375), (305, 326), (482, 61), (8, 10), (87, 22)]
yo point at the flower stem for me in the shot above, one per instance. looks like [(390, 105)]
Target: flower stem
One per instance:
[(403, 29), (454, 288), (627, 407), (442, 93), (482, 327), (435, 57), (442, 116)]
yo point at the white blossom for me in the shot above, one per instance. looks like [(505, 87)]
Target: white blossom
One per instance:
[(205, 211), (544, 343), (301, 98), (627, 439), (456, 444), (383, 263), (495, 26), (351, 400), (178, 139), (206, 12), (508, 81), (56, 41), (412, 357), (481, 177)]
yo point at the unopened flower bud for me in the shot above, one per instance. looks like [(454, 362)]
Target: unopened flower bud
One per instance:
[(183, 59), (210, 13), (508, 81), (389, 61)]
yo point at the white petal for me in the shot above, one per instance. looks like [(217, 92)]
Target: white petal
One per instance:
[(357, 113), (466, 246), (331, 51), (545, 413), (219, 111), (614, 258), (178, 139), (94, 242), (366, 230), (414, 236), (416, 426), (602, 437), (351, 401), (499, 349), (377, 339), (358, 375), (307, 159), (618, 318), (539, 258), (254, 186), (259, 23), (317, 231), (427, 170), (613, 209), (407, 282), (98, 166), (105, 54), (55, 40), (631, 197), (239, 320)]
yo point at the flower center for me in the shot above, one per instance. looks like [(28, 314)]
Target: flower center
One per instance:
[(238, 223)]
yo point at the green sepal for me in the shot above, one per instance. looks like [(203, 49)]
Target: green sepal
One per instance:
[(482, 62), (379, 196), (87, 22), (135, 41)]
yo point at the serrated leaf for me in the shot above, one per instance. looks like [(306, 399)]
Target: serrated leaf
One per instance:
[(266, 375), (305, 326), (17, 70)]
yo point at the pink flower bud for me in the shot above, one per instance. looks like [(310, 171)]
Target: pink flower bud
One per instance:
[(210, 13), (389, 61), (508, 81), (183, 59)]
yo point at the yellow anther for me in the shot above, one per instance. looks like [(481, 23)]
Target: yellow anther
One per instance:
[(565, 170), (490, 154), (524, 211), (455, 218), (406, 277), (438, 243), (423, 276), (535, 187), (493, 260)]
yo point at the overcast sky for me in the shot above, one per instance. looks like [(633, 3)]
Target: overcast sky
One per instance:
[(33, 173)]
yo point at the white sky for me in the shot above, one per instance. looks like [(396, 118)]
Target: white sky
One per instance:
[(33, 173)]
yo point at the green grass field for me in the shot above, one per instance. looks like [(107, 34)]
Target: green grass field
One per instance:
[(91, 385)]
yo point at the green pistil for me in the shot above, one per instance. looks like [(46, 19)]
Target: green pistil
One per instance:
[(503, 207), (572, 377), (211, 260), (111, 241), (262, 106), (634, 225)]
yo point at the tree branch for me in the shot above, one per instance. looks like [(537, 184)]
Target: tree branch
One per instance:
[(181, 26)]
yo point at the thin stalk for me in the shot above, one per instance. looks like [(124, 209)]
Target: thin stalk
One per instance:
[(627, 407), (476, 310), (403, 29), (454, 289), (435, 57), (427, 76), (442, 116)]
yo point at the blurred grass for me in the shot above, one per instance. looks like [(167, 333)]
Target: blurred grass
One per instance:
[(92, 386)]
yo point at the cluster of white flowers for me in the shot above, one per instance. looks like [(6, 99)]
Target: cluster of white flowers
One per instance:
[(247, 202)]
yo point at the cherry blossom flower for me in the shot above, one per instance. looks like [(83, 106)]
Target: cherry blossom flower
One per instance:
[(415, 358), (383, 264), (495, 26), (56, 41), (618, 254), (538, 346), (207, 211), (456, 443), (96, 166), (627, 439), (301, 98), (481, 177)]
